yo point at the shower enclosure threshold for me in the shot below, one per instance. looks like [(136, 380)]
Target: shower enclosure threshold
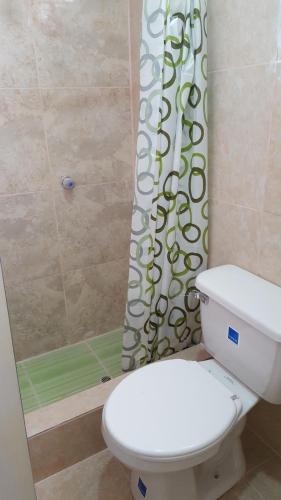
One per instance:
[(71, 427), (58, 374)]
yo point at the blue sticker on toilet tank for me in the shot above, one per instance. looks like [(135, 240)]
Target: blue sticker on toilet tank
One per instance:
[(142, 487), (233, 335)]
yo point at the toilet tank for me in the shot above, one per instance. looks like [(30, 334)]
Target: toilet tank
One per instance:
[(241, 327)]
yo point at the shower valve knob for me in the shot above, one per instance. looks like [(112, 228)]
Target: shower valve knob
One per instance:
[(68, 183)]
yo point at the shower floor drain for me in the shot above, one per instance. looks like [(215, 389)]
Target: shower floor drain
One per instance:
[(105, 379)]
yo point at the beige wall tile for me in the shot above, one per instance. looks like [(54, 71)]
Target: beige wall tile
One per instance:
[(270, 248), (256, 452), (28, 238), (23, 165), (236, 29), (100, 477), (243, 170), (94, 224), (279, 40), (81, 43), (272, 200), (37, 316), (89, 134), (17, 58), (95, 299), (265, 420), (239, 132), (233, 236), (135, 13), (74, 45), (65, 445)]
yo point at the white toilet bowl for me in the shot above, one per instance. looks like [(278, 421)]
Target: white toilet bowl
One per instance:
[(177, 424)]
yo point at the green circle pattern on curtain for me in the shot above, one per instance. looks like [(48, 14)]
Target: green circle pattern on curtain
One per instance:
[(170, 214)]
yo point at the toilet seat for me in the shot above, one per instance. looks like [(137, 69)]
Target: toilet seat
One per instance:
[(170, 411)]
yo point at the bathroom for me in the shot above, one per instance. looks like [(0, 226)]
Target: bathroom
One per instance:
[(70, 131)]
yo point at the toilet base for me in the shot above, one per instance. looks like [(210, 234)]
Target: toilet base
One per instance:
[(207, 481), (220, 473), (179, 485)]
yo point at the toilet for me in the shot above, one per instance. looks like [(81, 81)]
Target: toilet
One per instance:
[(177, 424)]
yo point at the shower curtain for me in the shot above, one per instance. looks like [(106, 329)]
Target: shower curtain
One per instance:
[(168, 246)]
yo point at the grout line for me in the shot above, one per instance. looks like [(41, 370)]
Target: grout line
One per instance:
[(112, 261), (265, 170), (255, 467), (238, 205), (24, 193), (272, 213), (111, 182), (98, 359), (105, 334), (249, 482), (34, 392), (260, 495), (51, 175), (52, 193), (244, 66), (275, 452), (132, 107), (67, 346), (77, 87), (51, 188), (12, 284), (108, 371)]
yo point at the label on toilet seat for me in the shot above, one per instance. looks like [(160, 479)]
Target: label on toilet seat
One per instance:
[(142, 488)]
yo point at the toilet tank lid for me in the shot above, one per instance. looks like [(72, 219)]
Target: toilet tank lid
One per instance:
[(251, 298)]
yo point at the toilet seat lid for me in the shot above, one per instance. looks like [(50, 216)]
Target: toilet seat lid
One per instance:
[(169, 409)]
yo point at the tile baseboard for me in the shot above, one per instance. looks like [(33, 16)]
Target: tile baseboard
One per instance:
[(65, 445)]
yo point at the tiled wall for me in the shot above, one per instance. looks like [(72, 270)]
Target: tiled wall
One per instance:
[(65, 109), (245, 131), (245, 150), (135, 14)]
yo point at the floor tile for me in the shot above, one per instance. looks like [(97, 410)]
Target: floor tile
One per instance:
[(60, 373), (100, 477), (256, 452), (266, 479), (263, 482), (242, 491), (108, 349)]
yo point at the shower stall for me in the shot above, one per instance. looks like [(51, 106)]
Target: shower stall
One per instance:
[(69, 100), (68, 144)]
